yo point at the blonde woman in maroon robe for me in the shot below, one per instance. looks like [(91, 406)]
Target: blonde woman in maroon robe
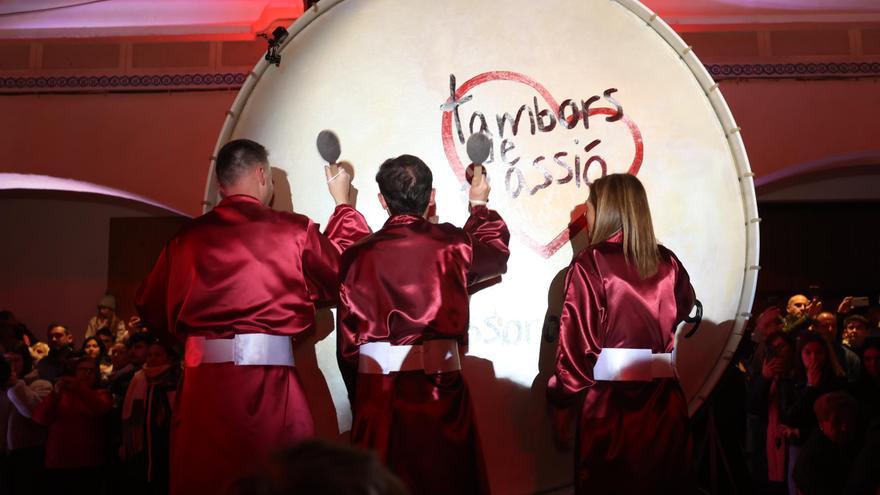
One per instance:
[(239, 284), (624, 297), (402, 322)]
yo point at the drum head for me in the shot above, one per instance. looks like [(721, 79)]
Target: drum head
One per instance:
[(567, 92)]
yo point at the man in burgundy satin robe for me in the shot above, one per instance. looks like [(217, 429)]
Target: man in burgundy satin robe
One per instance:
[(239, 283), (405, 288)]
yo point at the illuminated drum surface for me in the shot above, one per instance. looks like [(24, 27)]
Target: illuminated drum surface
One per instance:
[(569, 90)]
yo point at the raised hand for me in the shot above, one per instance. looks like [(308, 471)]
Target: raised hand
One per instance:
[(479, 192), (339, 184)]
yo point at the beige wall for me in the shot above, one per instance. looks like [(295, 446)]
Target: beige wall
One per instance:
[(157, 145), (54, 255)]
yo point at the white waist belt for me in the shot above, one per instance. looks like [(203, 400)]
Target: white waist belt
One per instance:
[(623, 365), (246, 349), (433, 356)]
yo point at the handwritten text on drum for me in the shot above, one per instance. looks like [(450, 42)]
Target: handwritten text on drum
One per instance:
[(568, 115)]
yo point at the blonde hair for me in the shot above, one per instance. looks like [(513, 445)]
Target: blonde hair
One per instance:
[(621, 204)]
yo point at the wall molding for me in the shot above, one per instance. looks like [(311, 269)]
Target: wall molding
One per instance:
[(795, 70), (234, 80)]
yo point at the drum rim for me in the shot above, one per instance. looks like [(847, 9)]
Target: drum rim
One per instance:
[(713, 95)]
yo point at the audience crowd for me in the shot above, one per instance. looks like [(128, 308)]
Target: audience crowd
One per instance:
[(91, 418), (95, 418), (814, 399)]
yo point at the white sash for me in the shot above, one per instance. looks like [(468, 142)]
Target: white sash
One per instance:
[(622, 365), (433, 356), (246, 349)]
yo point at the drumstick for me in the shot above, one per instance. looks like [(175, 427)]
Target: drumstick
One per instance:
[(329, 149), (479, 145)]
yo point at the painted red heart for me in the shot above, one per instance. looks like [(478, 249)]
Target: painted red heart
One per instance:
[(545, 250)]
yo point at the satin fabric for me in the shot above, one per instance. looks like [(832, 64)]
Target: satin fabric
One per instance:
[(632, 436), (406, 284), (241, 268), (246, 268)]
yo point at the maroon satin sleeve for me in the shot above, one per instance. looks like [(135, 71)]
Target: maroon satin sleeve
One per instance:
[(579, 327), (489, 242), (321, 253), (346, 226)]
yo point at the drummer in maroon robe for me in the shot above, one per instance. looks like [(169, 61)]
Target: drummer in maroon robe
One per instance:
[(624, 297), (402, 322), (238, 284)]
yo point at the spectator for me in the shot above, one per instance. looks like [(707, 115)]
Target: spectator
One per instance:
[(118, 358), (12, 329), (864, 478), (77, 440), (60, 347), (25, 439), (106, 338), (93, 348), (855, 331), (19, 357), (769, 460), (139, 346), (146, 419), (814, 376), (825, 460), (106, 318), (867, 389), (843, 358), (316, 467), (799, 312)]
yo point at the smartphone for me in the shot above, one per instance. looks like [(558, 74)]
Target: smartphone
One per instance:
[(859, 302)]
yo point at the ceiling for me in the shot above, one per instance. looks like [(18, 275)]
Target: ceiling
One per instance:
[(242, 19)]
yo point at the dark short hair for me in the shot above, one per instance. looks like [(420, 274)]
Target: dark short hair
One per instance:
[(25, 352), (141, 338), (54, 324), (864, 321), (834, 402), (406, 183), (236, 158)]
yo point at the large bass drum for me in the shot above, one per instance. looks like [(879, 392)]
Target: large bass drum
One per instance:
[(569, 90)]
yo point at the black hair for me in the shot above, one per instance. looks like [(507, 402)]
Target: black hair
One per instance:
[(405, 182), (25, 352), (770, 350), (103, 356), (828, 370), (56, 324), (236, 158), (141, 337)]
